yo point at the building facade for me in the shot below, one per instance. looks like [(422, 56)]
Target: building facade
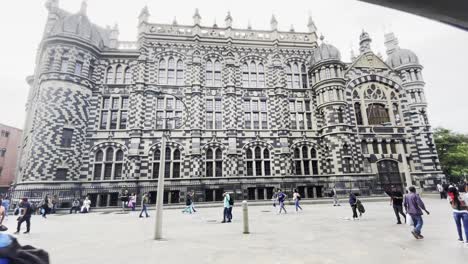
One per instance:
[(246, 111), (10, 140)]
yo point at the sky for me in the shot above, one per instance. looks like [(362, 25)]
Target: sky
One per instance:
[(442, 49)]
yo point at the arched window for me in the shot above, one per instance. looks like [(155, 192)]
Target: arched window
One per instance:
[(253, 75), (357, 111), (108, 166), (119, 74), (296, 75), (364, 148), (305, 161), (396, 114), (172, 163), (156, 162), (171, 72), (213, 73), (51, 60), (258, 164), (377, 114), (128, 76), (110, 75), (340, 116), (64, 62), (214, 162)]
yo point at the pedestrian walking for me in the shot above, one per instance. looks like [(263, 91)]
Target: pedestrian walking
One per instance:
[(132, 201), (6, 204), (75, 206), (86, 207), (45, 208), (144, 204), (193, 202), (188, 203), (353, 203), (25, 216), (441, 191), (414, 207), (336, 201), (460, 212), (396, 201), (54, 204), (124, 198), (296, 199), (281, 198), (227, 216)]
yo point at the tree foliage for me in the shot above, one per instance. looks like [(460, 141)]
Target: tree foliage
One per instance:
[(453, 153)]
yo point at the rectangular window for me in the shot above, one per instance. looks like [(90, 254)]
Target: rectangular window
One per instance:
[(219, 121), (293, 121), (264, 121), (155, 170), (309, 120), (104, 115), (248, 121), (107, 171), (209, 105), (300, 120), (267, 168), (78, 67), (169, 103), (258, 168), (306, 168), (178, 119), (219, 169), (209, 120), (209, 169), (124, 102), (97, 172), (160, 103), (159, 119), (315, 167), (123, 120), (90, 72), (113, 121), (255, 114), (297, 165), (256, 123), (118, 171), (176, 170), (249, 168), (64, 65), (115, 103), (167, 169), (61, 174), (162, 76), (105, 103), (300, 114), (67, 137), (218, 105)]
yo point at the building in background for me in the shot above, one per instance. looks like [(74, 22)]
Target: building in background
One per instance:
[(266, 109), (10, 140)]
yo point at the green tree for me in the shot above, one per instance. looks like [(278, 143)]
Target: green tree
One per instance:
[(453, 153)]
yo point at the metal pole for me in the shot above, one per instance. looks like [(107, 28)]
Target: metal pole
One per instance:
[(160, 194), (245, 214)]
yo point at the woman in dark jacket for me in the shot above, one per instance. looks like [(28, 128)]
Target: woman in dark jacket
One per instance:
[(353, 203)]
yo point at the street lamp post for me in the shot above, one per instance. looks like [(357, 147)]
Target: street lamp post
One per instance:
[(162, 164)]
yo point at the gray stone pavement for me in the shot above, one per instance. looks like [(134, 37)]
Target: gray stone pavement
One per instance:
[(319, 234)]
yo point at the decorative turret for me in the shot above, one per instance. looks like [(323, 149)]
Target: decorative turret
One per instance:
[(397, 56), (364, 42), (144, 15), (84, 8), (292, 28), (196, 17), (249, 25), (174, 22), (114, 36), (228, 20), (52, 5), (311, 25), (273, 23)]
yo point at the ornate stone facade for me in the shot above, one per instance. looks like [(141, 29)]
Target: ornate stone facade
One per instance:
[(254, 110)]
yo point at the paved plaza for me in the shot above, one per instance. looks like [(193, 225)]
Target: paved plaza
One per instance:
[(319, 234)]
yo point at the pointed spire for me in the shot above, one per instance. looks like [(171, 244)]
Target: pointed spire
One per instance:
[(196, 17), (144, 15), (353, 56), (114, 36), (214, 24), (84, 7), (174, 22), (273, 23), (249, 25), (228, 19), (311, 25), (292, 28), (391, 43), (364, 42)]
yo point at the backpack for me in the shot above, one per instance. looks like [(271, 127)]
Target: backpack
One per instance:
[(298, 197), (463, 205), (231, 201), (360, 207)]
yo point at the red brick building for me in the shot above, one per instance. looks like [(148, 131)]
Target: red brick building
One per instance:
[(10, 139)]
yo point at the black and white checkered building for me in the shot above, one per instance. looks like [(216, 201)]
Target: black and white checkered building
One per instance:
[(264, 109)]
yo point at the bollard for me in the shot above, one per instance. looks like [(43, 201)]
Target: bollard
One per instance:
[(245, 214)]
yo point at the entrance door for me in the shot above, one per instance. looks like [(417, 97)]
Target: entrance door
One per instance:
[(389, 174)]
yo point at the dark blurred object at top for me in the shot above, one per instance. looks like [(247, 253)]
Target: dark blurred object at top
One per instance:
[(453, 12)]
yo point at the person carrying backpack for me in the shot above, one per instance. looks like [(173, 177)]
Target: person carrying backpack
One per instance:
[(460, 212)]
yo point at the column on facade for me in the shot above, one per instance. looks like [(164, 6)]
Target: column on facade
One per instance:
[(365, 121), (401, 151)]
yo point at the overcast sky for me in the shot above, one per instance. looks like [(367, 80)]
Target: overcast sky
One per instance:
[(442, 50)]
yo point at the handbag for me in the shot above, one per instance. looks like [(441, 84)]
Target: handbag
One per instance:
[(409, 220)]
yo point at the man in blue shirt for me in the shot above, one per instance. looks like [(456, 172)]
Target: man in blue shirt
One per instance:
[(414, 207)]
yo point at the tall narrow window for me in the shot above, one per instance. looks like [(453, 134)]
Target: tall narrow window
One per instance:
[(180, 73), (340, 116), (305, 161), (110, 75), (259, 163), (128, 76), (213, 114), (296, 75), (167, 111), (357, 111), (253, 75), (300, 114), (118, 165), (364, 148), (119, 74), (61, 174), (51, 61), (213, 73), (375, 147), (78, 67), (162, 73), (67, 137), (377, 114), (214, 162), (156, 162)]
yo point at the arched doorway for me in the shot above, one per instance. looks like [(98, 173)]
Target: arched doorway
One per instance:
[(389, 175)]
